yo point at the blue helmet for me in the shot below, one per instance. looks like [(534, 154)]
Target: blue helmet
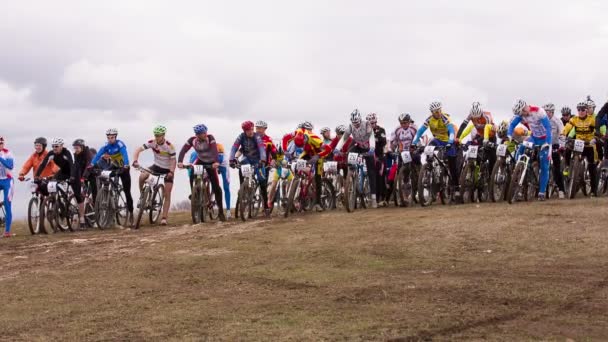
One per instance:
[(200, 129)]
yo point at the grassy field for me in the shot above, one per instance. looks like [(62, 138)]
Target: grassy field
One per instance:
[(480, 272)]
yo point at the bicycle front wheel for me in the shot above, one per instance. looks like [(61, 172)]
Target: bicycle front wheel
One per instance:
[(33, 215)]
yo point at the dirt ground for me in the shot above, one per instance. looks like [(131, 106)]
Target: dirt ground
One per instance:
[(535, 271)]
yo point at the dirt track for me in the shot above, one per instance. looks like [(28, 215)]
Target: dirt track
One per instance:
[(498, 272)]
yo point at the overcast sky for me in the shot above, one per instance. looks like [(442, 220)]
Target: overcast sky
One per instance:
[(74, 68)]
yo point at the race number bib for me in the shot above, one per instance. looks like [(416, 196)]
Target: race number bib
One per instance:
[(429, 150), (246, 170), (106, 174), (501, 150), (352, 158), (300, 164), (528, 144), (406, 157), (472, 153), (33, 187), (198, 170), (579, 145), (52, 187)]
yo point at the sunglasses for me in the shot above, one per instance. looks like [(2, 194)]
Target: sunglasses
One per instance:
[(581, 109), (159, 135), (56, 146)]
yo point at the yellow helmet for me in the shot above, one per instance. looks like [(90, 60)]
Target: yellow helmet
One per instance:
[(220, 148)]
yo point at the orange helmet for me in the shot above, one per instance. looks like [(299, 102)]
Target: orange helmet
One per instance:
[(519, 131), (220, 148)]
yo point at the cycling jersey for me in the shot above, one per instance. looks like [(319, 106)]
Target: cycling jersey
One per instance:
[(271, 150), (252, 148), (402, 138), (117, 151), (6, 164), (584, 128), (537, 121), (601, 115), (63, 160), (164, 154), (81, 163), (441, 128), (313, 144), (380, 136), (556, 129), (363, 136), (6, 185), (484, 127), (206, 150), (34, 161)]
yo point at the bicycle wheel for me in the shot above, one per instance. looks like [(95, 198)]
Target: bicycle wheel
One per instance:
[(467, 182), (350, 191), (257, 203), (573, 183), (425, 187), (446, 190), (403, 186), (327, 195), (89, 211), (120, 208), (156, 205), (483, 186), (33, 215), (514, 186), (196, 202), (498, 181), (602, 184), (281, 196), (533, 187), (365, 195), (214, 210), (62, 209), (291, 197), (585, 181), (205, 201), (2, 215), (73, 213), (244, 201), (49, 215), (339, 190), (141, 207), (103, 209)]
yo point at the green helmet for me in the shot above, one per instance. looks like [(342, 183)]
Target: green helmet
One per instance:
[(159, 130)]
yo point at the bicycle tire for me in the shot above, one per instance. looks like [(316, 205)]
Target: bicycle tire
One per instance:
[(143, 199), (467, 182), (498, 180), (156, 204), (350, 191), (243, 198), (293, 187), (425, 183), (33, 221), (205, 201), (514, 184), (573, 185)]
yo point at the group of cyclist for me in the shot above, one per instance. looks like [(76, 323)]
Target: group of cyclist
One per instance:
[(363, 136)]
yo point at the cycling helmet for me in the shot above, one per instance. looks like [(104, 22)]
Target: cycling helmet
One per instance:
[(372, 118), (200, 129), (56, 141), (581, 105), (519, 106), (355, 116), (307, 125), (247, 125), (261, 124), (435, 106), (325, 130), (41, 140), (158, 130), (566, 111), (503, 128), (79, 142), (340, 129), (220, 148), (549, 107), (1, 138), (405, 117), (111, 131), (476, 110), (590, 103)]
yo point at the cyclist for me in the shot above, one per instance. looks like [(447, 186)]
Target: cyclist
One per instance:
[(584, 126), (566, 115), (363, 142), (115, 153), (380, 160), (401, 140), (601, 121), (326, 134), (207, 155), (314, 151), (520, 133), (36, 158), (484, 133), (224, 172), (339, 156), (442, 129), (556, 129), (538, 121), (6, 184), (80, 174), (253, 153), (164, 164)]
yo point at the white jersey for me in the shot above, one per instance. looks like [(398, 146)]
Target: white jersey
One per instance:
[(402, 138), (536, 121), (362, 135), (163, 154)]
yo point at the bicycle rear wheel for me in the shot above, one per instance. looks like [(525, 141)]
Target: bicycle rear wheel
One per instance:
[(514, 187)]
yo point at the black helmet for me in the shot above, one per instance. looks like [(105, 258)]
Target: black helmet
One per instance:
[(79, 142), (41, 141)]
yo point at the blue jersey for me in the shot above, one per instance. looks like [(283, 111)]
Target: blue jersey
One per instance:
[(117, 151)]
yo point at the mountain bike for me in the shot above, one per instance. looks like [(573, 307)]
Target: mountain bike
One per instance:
[(58, 207), (474, 178), (249, 201), (525, 180), (406, 181), (152, 197), (578, 178), (435, 179), (281, 193), (331, 178), (34, 208), (110, 205), (303, 191), (356, 183), (501, 173)]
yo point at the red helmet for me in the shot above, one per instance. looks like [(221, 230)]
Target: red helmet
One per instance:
[(247, 125), (299, 140)]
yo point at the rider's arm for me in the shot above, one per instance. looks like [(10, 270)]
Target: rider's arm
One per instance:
[(138, 150), (261, 147), (420, 132), (486, 131), (8, 161), (43, 164), (123, 151), (29, 164), (184, 150), (235, 147), (372, 137), (466, 131), (345, 137), (213, 149), (602, 114), (514, 122), (547, 124), (100, 153), (463, 126), (450, 133)]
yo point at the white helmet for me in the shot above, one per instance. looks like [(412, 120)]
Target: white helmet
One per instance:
[(56, 141), (306, 125), (519, 106), (405, 117), (549, 107), (340, 129), (111, 131), (261, 123), (590, 103), (325, 129), (355, 117), (476, 110), (372, 118), (435, 106)]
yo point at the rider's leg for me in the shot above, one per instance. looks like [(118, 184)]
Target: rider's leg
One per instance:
[(589, 153), (77, 187), (217, 191), (544, 169), (168, 189), (557, 173), (6, 185), (226, 182), (371, 174), (125, 178), (262, 177), (142, 178)]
